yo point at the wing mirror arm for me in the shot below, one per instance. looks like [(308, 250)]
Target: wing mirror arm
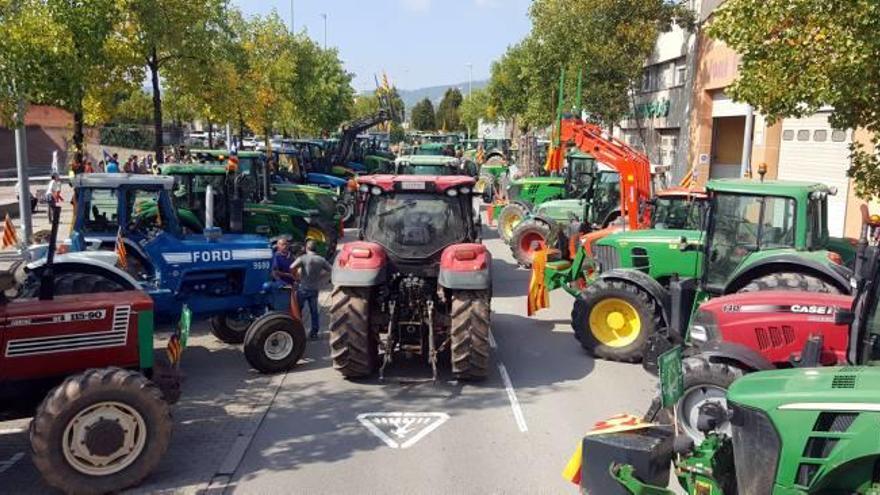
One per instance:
[(684, 245)]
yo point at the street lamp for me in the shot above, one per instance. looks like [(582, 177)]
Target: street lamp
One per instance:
[(325, 30)]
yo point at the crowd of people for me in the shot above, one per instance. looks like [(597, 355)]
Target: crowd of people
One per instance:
[(110, 164)]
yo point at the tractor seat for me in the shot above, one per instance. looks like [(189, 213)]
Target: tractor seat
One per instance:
[(559, 265)]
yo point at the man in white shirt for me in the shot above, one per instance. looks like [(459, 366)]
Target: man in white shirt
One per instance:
[(53, 194)]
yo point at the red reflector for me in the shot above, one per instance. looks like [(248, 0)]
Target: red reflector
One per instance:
[(466, 255), (361, 253), (835, 258)]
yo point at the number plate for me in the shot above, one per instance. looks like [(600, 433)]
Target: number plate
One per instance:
[(412, 186)]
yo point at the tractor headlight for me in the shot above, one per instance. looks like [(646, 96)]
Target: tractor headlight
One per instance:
[(465, 190), (364, 188), (703, 328), (452, 192), (376, 191)]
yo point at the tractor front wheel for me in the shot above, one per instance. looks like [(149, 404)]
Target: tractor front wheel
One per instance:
[(231, 327), (528, 237), (793, 281), (100, 431), (613, 319), (274, 342), (509, 217), (704, 382), (354, 348), (470, 334)]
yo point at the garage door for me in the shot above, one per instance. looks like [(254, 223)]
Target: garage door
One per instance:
[(812, 151)]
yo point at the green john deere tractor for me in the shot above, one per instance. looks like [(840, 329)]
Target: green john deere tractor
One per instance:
[(758, 236), (524, 194), (595, 208), (793, 432)]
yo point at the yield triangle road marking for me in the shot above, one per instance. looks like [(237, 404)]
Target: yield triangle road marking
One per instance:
[(400, 430)]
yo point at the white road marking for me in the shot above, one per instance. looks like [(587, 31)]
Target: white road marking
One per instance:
[(5, 465), (514, 402), (492, 343), (11, 431), (407, 427)]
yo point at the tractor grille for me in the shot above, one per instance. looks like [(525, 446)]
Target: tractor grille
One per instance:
[(774, 337), (116, 336), (757, 443), (607, 257), (822, 445), (843, 381)]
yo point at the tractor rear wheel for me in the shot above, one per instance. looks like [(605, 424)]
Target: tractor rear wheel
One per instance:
[(100, 431), (790, 281), (613, 319), (274, 342), (354, 348), (231, 327), (528, 237), (470, 334), (509, 217), (704, 381)]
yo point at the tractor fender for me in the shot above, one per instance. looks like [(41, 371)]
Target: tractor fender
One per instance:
[(839, 276), (465, 267), (646, 283), (359, 264), (83, 263), (738, 354)]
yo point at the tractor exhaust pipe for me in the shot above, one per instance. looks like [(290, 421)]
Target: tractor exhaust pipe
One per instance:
[(209, 207), (47, 278)]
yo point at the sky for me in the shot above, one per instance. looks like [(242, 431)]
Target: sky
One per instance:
[(418, 42)]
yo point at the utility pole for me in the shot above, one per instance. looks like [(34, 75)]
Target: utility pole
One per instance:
[(470, 67), (325, 30), (21, 161)]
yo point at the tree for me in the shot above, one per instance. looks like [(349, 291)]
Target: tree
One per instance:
[(476, 107), (175, 38), (448, 117), (800, 56), (422, 115)]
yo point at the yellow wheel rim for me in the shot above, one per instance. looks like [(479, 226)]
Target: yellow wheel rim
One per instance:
[(510, 222), (316, 235), (615, 322)]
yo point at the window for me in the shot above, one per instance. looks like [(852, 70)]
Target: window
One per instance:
[(668, 147), (101, 216), (838, 136), (820, 136), (803, 135), (680, 73), (788, 135)]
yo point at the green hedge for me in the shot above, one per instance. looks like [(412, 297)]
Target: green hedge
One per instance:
[(137, 137)]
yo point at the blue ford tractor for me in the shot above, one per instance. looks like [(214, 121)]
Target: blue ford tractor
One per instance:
[(219, 275)]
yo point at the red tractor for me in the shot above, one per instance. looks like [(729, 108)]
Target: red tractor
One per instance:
[(105, 422), (418, 281), (741, 333)]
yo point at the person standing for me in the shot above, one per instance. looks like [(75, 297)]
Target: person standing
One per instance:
[(113, 164), (53, 195), (281, 262), (310, 269)]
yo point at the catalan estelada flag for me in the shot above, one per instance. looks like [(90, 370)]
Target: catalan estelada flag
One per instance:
[(614, 424), (121, 252), (538, 297), (10, 236)]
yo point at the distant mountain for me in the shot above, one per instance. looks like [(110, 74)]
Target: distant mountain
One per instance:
[(435, 93)]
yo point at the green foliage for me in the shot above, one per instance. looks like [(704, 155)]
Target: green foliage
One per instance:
[(422, 116), (476, 107), (448, 117), (801, 55)]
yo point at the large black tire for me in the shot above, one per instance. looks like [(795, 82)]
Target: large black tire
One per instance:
[(275, 342), (469, 334), (135, 401), (529, 231), (230, 328), (604, 295), (509, 217), (354, 348), (703, 381), (790, 281)]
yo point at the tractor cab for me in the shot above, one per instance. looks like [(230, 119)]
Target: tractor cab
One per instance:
[(414, 217), (191, 183), (433, 165), (679, 209)]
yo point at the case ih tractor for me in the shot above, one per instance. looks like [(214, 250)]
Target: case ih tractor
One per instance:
[(222, 276), (759, 236), (418, 281), (108, 424)]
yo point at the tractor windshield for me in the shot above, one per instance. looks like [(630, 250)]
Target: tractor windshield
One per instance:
[(677, 213), (412, 225), (743, 225), (101, 216), (605, 196), (410, 169)]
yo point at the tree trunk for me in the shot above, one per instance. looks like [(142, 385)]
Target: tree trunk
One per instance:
[(210, 135), (78, 138), (240, 129), (158, 148)]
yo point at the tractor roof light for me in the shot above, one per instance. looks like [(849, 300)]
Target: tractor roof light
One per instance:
[(874, 220)]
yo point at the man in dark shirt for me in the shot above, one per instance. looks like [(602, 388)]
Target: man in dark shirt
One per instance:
[(310, 269), (281, 261)]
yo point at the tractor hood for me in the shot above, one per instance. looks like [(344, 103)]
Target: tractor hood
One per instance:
[(539, 180), (849, 388), (326, 180), (650, 236), (559, 209)]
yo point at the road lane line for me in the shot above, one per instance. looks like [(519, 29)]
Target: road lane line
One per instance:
[(11, 431), (514, 402), (492, 343), (5, 465)]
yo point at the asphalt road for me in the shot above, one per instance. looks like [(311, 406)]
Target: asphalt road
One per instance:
[(240, 432)]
